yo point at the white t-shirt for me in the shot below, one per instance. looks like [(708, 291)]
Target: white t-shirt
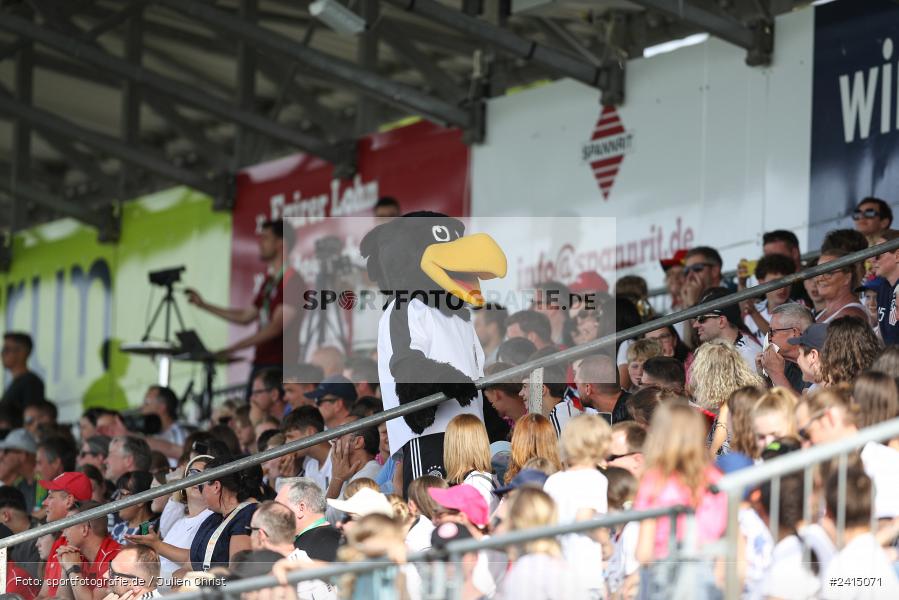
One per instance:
[(442, 338), (320, 474), (419, 537), (624, 558), (864, 559), (621, 357), (370, 470), (573, 491), (314, 589), (180, 533), (762, 308), (563, 412), (541, 577), (882, 466), (484, 484), (748, 349), (821, 544), (759, 546), (788, 577)]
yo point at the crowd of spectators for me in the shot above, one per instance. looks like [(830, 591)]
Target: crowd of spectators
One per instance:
[(653, 423)]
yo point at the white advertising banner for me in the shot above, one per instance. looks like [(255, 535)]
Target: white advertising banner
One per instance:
[(705, 151)]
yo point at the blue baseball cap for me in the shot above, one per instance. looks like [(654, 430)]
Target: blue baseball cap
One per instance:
[(524, 478), (335, 385), (871, 284)]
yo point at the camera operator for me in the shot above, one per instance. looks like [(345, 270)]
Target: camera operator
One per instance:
[(279, 323)]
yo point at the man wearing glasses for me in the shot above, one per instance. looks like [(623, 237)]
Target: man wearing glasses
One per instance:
[(780, 358), (725, 324), (872, 217), (702, 270), (134, 573), (334, 397)]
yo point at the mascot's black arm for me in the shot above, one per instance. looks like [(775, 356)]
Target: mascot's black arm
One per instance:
[(418, 376)]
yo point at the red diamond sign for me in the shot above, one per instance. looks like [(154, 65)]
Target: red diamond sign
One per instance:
[(606, 149)]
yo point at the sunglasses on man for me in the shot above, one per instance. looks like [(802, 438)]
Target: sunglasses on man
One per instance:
[(868, 213), (696, 268), (701, 320)]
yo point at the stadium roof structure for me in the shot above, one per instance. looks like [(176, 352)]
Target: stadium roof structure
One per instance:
[(104, 100)]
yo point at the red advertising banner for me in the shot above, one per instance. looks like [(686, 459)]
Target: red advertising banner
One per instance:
[(423, 166)]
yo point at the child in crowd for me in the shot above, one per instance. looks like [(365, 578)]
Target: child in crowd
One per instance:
[(580, 492)]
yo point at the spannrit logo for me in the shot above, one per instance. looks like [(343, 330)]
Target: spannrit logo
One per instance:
[(606, 149)]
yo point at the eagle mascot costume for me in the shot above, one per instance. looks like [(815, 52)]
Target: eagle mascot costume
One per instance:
[(430, 271)]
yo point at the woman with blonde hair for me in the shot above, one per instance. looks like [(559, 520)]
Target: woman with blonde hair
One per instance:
[(378, 536), (533, 436), (739, 408), (719, 370), (679, 471), (773, 417), (466, 455), (538, 571)]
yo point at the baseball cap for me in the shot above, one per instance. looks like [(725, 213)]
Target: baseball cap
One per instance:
[(872, 284), (19, 439), (676, 260), (335, 385), (813, 337), (364, 502), (72, 482), (733, 461), (524, 478), (464, 498), (589, 281), (731, 312)]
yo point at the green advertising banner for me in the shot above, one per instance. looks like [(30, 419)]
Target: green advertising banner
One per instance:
[(80, 299)]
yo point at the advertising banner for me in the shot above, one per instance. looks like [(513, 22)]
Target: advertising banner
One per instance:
[(422, 166), (855, 115), (704, 151), (81, 300)]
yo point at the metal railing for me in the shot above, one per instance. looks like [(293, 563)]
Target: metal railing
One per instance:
[(684, 552), (520, 371), (735, 484)]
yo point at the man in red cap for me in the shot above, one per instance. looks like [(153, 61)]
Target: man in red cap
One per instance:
[(63, 493)]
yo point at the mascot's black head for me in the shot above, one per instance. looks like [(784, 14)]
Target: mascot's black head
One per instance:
[(429, 252)]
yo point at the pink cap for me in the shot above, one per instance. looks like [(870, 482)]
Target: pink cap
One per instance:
[(589, 281), (464, 498)]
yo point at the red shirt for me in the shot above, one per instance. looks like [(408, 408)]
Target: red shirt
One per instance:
[(270, 297), (95, 572), (53, 570), (17, 580)]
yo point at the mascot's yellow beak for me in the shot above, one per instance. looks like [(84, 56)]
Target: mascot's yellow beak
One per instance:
[(458, 266)]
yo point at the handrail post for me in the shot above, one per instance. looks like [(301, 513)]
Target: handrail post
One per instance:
[(535, 392), (3, 567), (841, 499), (688, 557), (732, 579)]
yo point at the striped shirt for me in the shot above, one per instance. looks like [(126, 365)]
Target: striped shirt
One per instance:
[(563, 412)]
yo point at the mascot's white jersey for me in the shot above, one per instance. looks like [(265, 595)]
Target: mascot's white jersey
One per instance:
[(441, 338)]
